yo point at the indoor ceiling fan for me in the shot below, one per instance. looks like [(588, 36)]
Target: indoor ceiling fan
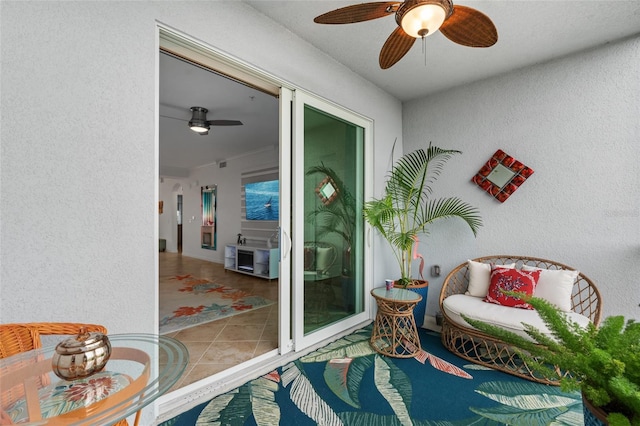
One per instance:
[(418, 19), (199, 122)]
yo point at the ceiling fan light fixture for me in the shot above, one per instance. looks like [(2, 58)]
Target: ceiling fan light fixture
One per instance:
[(198, 122), (422, 18), (198, 128)]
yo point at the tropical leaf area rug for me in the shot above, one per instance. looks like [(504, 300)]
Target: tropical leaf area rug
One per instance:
[(193, 301), (347, 383)]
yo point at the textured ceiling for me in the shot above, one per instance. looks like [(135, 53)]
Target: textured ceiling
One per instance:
[(530, 32)]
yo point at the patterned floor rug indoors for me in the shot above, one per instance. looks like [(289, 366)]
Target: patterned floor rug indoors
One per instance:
[(187, 301), (347, 383)]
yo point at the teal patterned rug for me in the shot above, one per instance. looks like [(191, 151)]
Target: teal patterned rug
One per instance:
[(347, 383)]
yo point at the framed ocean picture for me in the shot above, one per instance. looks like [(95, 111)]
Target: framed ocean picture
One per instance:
[(262, 200)]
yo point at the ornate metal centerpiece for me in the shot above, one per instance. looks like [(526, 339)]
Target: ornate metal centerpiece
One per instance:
[(81, 356)]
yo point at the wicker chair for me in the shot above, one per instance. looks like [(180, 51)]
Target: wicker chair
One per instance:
[(17, 338), (486, 350)]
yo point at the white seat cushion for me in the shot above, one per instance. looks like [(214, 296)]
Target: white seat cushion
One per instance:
[(503, 316)]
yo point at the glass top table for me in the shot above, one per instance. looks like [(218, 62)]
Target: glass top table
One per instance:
[(399, 294), (142, 367)]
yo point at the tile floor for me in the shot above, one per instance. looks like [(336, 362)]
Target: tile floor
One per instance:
[(221, 344)]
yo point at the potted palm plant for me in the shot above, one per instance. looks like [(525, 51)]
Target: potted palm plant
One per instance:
[(406, 209), (603, 362)]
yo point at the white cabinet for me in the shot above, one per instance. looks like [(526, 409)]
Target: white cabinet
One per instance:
[(256, 261), (230, 257)]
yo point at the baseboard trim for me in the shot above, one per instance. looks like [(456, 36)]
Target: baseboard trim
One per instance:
[(431, 324)]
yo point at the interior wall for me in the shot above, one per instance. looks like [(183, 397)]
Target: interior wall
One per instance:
[(229, 202), (79, 197), (574, 121)]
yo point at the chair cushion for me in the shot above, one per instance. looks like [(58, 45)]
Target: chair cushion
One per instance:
[(511, 280), (503, 316)]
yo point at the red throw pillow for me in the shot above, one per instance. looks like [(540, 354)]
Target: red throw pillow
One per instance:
[(511, 280)]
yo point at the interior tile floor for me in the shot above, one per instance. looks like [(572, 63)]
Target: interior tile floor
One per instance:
[(221, 344)]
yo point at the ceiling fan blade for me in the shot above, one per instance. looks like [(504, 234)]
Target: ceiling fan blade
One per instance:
[(224, 122), (173, 118), (469, 27), (358, 13), (396, 46)]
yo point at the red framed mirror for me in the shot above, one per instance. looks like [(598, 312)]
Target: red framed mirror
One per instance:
[(502, 175)]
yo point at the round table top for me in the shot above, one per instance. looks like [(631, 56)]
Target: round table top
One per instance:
[(398, 294), (142, 367)]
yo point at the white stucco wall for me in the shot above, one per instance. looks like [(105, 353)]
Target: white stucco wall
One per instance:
[(79, 179), (575, 122)]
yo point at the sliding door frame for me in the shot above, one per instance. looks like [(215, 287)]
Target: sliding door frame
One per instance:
[(302, 99)]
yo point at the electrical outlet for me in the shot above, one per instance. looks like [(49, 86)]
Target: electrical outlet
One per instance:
[(435, 271)]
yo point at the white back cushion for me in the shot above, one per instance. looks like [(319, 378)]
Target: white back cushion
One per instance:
[(480, 277), (555, 286)]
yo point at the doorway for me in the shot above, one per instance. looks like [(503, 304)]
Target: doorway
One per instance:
[(222, 158), (297, 139), (179, 221)]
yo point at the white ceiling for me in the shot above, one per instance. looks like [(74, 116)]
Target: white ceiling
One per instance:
[(183, 85), (529, 32)]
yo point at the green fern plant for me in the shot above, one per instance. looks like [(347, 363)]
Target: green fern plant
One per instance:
[(603, 362), (406, 210)]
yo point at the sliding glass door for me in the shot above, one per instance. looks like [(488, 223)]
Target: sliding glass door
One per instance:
[(328, 282)]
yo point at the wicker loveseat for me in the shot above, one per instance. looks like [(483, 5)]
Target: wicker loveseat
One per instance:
[(477, 347)]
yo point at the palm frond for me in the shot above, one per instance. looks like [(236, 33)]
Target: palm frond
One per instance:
[(406, 209), (451, 207)]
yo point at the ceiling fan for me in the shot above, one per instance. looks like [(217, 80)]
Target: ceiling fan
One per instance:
[(418, 19), (199, 122)]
